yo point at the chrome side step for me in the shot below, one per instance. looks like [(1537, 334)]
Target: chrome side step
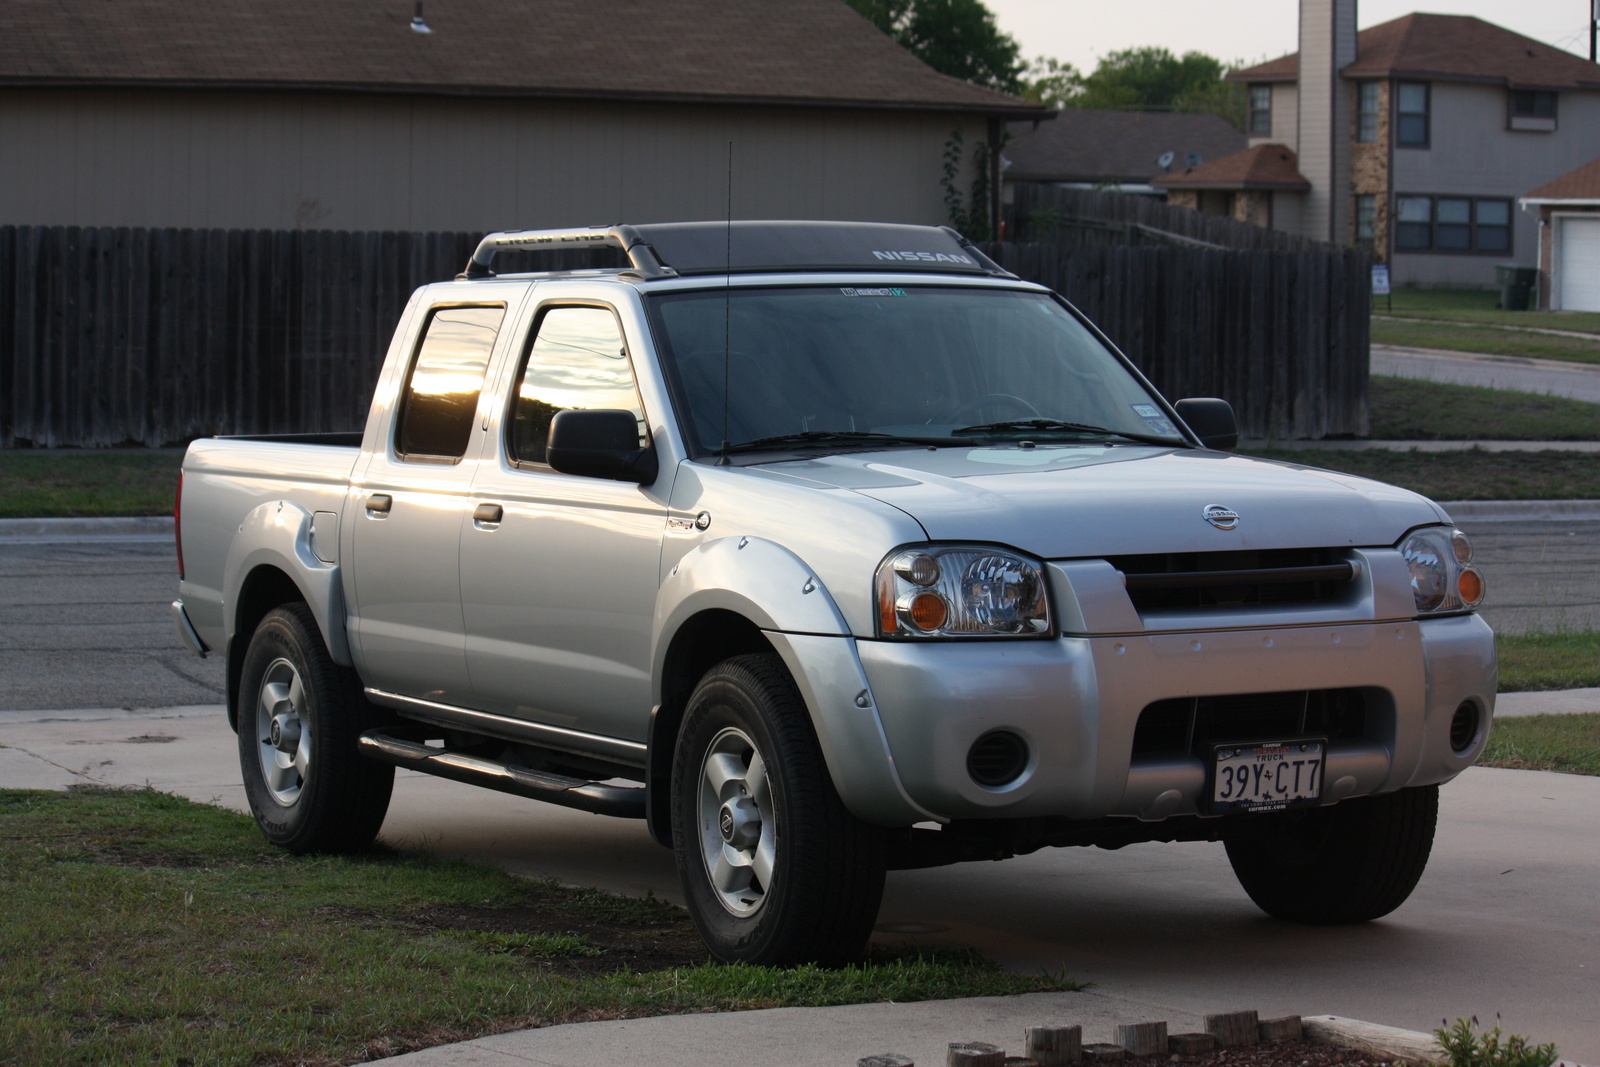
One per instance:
[(626, 802)]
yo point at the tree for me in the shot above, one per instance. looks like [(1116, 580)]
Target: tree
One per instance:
[(954, 37), (1148, 78)]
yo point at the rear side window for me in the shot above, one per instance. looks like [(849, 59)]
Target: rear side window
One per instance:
[(578, 359), (441, 395)]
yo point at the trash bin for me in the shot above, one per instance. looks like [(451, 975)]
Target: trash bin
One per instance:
[(1516, 284)]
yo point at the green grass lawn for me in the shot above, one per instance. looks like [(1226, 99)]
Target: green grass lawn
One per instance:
[(1568, 743), (1478, 305), (143, 928), (1563, 660), (1404, 409), (1466, 475), (1422, 334), (35, 483)]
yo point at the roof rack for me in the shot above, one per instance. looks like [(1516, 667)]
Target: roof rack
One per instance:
[(640, 254), (674, 249)]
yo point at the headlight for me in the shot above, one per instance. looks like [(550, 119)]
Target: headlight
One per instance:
[(961, 591), (1442, 577)]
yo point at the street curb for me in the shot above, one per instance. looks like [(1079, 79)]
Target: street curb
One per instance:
[(1522, 510), (145, 527)]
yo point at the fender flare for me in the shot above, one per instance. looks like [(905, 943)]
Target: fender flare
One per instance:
[(757, 579), (278, 534)]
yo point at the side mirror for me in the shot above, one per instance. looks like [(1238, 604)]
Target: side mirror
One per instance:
[(600, 443), (1211, 420)]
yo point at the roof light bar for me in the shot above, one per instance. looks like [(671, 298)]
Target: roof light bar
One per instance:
[(640, 254)]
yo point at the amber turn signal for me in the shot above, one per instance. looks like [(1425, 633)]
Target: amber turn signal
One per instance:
[(1470, 586), (928, 611)]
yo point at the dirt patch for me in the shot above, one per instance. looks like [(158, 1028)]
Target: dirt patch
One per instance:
[(1277, 1054)]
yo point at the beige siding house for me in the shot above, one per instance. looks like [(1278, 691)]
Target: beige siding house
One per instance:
[(1415, 137), (378, 115)]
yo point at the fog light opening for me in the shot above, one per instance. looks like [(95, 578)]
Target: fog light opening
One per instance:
[(997, 759), (1464, 727)]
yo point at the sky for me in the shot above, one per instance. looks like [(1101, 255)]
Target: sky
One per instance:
[(1081, 31)]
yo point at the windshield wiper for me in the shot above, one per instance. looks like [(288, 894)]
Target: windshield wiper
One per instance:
[(1058, 426), (833, 437)]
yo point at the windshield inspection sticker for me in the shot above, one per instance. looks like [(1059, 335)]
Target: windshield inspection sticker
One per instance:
[(873, 292), (1153, 418)]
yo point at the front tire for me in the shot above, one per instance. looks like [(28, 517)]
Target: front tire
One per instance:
[(300, 715), (1350, 863), (775, 870)]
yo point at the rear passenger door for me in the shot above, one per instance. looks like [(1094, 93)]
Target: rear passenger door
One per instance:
[(558, 571), (411, 502)]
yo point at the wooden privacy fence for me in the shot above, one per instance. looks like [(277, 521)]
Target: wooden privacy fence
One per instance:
[(1053, 214), (154, 337), (1282, 336)]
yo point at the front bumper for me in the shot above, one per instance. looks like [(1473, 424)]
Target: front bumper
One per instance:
[(1076, 702)]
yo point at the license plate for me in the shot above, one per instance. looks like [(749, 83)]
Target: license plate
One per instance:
[(1266, 776)]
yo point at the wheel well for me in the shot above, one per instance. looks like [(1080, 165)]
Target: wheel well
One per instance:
[(701, 643), (262, 590)]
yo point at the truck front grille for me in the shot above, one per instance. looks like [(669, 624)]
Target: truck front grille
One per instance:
[(1193, 724), (1172, 581)]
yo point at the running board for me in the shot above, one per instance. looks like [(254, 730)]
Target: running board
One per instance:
[(626, 802)]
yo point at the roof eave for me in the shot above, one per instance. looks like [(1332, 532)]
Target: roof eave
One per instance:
[(1017, 111), (1558, 201), (1245, 186)]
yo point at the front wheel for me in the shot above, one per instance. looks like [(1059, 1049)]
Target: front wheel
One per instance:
[(1350, 863), (300, 715), (775, 870)]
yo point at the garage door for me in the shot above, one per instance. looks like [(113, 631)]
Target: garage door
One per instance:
[(1578, 271)]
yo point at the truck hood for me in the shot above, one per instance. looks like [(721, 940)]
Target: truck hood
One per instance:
[(1086, 501)]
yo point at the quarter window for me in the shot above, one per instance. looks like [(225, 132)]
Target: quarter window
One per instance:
[(1367, 113), (1261, 110), (577, 360), (1411, 114), (441, 395)]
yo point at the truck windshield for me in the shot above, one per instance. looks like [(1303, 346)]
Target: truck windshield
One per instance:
[(818, 367)]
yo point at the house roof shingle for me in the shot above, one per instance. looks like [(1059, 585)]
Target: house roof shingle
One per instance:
[(1448, 48), (1580, 184), (1116, 146), (1266, 166), (791, 52)]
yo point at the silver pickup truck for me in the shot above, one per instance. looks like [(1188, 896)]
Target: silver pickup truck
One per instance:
[(830, 549)]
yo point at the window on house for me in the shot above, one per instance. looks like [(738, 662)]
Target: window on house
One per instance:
[(1533, 110), (1367, 113), (1451, 224), (1413, 230), (1411, 114), (1261, 110), (1366, 220)]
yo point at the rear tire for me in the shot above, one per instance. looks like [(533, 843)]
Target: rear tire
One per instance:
[(775, 870), (1349, 863), (300, 715)]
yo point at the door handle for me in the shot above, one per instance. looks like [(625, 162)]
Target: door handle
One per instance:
[(487, 513), (380, 502)]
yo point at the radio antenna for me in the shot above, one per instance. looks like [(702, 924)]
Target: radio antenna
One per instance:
[(727, 308)]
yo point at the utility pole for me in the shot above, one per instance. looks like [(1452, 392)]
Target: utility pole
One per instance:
[(1594, 29)]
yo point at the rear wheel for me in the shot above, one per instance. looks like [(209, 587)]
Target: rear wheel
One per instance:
[(1350, 863), (775, 870), (300, 715)]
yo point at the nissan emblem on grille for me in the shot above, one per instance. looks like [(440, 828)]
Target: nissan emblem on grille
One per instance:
[(1220, 517)]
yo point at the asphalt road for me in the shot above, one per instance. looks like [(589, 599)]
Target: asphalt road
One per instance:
[(1576, 381), (86, 625)]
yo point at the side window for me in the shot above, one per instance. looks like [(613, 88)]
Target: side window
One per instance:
[(441, 395), (577, 360)]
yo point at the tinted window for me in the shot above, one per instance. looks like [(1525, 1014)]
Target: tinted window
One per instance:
[(907, 361), (441, 396), (577, 360)]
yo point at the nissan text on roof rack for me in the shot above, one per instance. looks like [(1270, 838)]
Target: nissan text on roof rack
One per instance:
[(829, 549)]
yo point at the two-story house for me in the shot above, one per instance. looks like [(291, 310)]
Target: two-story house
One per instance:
[(1413, 138)]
